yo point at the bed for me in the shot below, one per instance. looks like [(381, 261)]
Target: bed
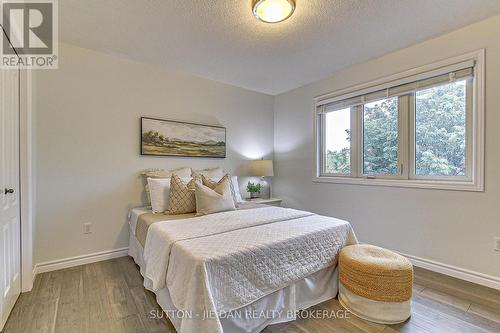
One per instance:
[(237, 271)]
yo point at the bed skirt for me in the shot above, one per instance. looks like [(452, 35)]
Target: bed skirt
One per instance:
[(280, 306)]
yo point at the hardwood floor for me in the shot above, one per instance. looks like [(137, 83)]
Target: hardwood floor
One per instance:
[(108, 297)]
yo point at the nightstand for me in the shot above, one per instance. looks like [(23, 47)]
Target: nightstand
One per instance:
[(270, 201)]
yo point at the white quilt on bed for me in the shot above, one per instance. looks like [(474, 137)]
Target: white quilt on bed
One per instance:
[(163, 235), (224, 261)]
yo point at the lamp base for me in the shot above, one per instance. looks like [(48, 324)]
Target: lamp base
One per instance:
[(265, 188)]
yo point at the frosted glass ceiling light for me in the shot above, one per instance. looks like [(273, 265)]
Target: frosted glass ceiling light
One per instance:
[(273, 11)]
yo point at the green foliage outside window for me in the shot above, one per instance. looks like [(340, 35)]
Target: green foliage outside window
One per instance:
[(439, 131), (380, 137), (339, 161)]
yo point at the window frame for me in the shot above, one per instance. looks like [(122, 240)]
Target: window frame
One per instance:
[(472, 181)]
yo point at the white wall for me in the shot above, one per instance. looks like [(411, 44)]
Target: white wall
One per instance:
[(455, 228), (87, 142), (87, 153)]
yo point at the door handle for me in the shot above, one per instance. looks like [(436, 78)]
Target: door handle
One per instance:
[(9, 190)]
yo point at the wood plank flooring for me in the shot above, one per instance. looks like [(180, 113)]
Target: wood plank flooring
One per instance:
[(108, 297)]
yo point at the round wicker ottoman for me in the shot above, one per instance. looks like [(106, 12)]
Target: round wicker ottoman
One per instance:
[(375, 283)]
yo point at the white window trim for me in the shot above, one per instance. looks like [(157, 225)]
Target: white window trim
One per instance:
[(476, 182)]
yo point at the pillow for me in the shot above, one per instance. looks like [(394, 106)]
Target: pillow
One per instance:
[(215, 173), (236, 187), (159, 189), (159, 192), (182, 198), (212, 184), (161, 173), (218, 199)]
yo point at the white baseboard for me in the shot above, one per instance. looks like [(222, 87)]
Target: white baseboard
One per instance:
[(55, 265), (457, 272)]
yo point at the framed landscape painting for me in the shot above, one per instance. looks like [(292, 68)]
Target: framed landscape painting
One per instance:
[(174, 138)]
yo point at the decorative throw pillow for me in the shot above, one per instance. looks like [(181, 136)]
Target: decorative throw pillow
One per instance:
[(218, 199), (215, 173), (182, 197), (210, 183), (162, 173)]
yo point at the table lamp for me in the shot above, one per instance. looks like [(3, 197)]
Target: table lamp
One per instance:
[(262, 168)]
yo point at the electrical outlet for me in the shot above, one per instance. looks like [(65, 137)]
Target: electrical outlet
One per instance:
[(497, 244), (87, 228)]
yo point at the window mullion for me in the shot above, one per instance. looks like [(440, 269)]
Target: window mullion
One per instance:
[(403, 136), (469, 129), (356, 141), (411, 136), (322, 144)]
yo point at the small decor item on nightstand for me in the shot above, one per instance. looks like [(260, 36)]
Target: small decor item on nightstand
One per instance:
[(254, 190)]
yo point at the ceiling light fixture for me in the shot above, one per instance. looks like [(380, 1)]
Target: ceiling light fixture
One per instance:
[(273, 11)]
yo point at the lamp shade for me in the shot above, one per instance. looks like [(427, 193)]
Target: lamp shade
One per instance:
[(261, 168)]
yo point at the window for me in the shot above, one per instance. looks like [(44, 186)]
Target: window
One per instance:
[(440, 119), (338, 142), (422, 128), (380, 137)]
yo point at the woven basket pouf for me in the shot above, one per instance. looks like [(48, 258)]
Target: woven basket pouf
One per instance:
[(375, 283)]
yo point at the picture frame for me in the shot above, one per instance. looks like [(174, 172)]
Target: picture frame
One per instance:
[(162, 137)]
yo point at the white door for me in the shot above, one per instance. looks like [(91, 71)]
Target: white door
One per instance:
[(10, 222)]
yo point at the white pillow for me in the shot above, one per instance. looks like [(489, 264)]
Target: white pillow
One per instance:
[(162, 173), (236, 186), (159, 191), (209, 201)]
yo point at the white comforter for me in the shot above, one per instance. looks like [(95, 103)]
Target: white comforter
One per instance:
[(221, 262)]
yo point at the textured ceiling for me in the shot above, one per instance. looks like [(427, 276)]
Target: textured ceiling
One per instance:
[(221, 40)]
